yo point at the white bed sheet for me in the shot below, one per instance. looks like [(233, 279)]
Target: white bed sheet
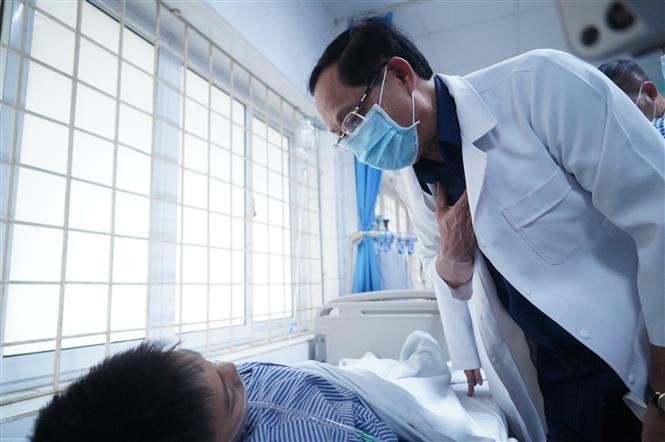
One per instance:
[(429, 380)]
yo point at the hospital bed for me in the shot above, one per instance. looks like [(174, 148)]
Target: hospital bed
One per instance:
[(379, 322)]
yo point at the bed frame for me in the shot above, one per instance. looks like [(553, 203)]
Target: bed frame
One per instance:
[(352, 325)]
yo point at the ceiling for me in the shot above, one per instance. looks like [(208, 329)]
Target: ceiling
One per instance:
[(461, 36)]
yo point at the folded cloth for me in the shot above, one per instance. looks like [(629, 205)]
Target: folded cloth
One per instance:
[(412, 395)]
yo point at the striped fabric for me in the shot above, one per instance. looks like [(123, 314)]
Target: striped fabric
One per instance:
[(659, 123), (310, 398)]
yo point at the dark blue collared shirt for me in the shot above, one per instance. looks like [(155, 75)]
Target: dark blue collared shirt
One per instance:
[(561, 356), (450, 146)]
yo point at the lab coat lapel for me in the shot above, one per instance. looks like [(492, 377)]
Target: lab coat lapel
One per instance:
[(475, 120)]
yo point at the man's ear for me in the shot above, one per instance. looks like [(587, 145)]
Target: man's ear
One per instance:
[(403, 72), (649, 89)]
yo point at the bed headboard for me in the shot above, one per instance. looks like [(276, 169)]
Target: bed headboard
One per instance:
[(352, 325)]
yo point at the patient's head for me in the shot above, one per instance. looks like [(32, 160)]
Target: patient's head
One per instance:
[(149, 393)]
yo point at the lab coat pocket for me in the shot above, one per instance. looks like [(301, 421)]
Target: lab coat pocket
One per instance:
[(555, 218)]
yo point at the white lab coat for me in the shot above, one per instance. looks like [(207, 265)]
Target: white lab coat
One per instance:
[(565, 179)]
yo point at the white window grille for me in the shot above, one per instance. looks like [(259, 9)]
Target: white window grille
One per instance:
[(150, 189)]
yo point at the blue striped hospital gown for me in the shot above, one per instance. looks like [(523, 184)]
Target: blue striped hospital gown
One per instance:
[(307, 394), (659, 123)]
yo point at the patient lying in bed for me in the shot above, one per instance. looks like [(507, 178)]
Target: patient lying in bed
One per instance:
[(155, 393)]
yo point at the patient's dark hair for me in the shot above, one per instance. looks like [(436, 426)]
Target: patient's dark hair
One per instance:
[(149, 393), (626, 74), (360, 50)]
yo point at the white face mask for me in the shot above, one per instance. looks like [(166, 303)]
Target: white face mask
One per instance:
[(637, 100)]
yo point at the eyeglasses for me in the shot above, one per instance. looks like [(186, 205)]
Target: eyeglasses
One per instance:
[(353, 119)]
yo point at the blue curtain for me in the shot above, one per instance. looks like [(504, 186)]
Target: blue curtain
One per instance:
[(368, 182)]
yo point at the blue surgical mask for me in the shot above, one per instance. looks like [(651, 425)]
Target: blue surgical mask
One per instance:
[(382, 143), (662, 65)]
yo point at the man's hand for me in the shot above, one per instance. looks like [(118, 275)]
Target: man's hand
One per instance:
[(458, 242), (473, 378), (653, 429)]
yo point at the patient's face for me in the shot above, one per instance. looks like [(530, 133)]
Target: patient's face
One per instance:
[(229, 405)]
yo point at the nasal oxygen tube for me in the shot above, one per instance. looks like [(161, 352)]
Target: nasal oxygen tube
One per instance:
[(362, 435)]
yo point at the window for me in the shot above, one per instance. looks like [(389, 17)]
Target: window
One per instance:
[(389, 206), (150, 190)]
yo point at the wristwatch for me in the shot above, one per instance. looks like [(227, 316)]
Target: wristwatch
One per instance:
[(656, 397)]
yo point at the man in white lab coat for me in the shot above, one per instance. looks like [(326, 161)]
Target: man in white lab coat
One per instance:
[(562, 181)]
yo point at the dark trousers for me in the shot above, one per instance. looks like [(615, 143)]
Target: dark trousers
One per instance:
[(586, 407), (582, 394)]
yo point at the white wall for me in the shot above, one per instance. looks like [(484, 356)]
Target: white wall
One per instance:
[(291, 34), (459, 37)]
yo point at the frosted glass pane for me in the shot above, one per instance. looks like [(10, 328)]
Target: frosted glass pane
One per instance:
[(135, 128), (132, 215), (196, 87), (275, 215), (130, 260), (138, 51), (273, 136), (40, 197), (89, 207), (260, 302), (276, 243), (85, 309), (220, 163), (44, 144), (276, 264), (133, 171), (194, 264), (274, 158), (238, 139), (136, 87), (220, 130), (260, 268), (196, 154), (259, 150), (220, 231), (53, 44), (275, 184), (260, 179), (36, 254), (196, 118), (238, 113), (95, 111), (237, 234), (277, 301), (65, 11), (195, 226), (220, 266), (238, 170), (259, 237), (220, 303), (98, 67), (100, 27), (128, 307), (48, 93), (238, 305), (220, 101), (24, 321), (88, 257), (238, 271), (193, 304), (237, 201), (92, 158), (195, 191), (220, 196)]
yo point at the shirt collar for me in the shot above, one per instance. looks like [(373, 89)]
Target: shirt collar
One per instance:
[(448, 136)]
